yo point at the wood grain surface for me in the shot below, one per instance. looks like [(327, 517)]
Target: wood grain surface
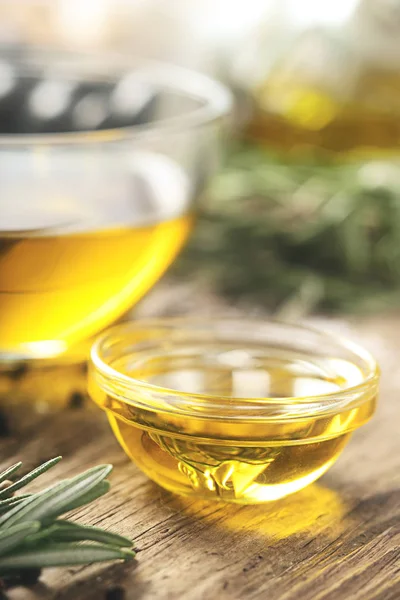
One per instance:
[(337, 539)]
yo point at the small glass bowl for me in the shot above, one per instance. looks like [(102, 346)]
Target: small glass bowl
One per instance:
[(231, 410)]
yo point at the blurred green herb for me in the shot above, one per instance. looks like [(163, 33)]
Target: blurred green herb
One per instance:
[(324, 236), (33, 536)]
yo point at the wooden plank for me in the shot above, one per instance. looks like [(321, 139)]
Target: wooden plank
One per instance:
[(339, 538)]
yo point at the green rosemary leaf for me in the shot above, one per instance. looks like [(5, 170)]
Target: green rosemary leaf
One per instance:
[(13, 537), (10, 471), (14, 509), (57, 499), (57, 555), (64, 531), (8, 506), (29, 477), (99, 490), (15, 500)]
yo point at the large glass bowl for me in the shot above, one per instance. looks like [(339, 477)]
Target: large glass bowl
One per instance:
[(102, 162)]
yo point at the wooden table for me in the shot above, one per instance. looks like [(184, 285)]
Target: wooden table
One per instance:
[(338, 539)]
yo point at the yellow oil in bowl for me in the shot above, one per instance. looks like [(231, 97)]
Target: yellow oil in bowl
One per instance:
[(235, 411)]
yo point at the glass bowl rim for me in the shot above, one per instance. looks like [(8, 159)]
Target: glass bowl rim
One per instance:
[(217, 102), (188, 403)]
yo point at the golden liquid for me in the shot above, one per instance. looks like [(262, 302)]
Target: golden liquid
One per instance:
[(241, 461), (59, 289), (292, 116)]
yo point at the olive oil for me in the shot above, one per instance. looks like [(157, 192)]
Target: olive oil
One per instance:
[(302, 120), (82, 239), (59, 288), (208, 448)]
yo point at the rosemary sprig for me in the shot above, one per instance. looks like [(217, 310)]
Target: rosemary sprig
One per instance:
[(32, 535), (316, 234), (29, 477)]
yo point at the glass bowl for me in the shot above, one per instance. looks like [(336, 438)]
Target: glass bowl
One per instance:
[(102, 162), (231, 410)]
